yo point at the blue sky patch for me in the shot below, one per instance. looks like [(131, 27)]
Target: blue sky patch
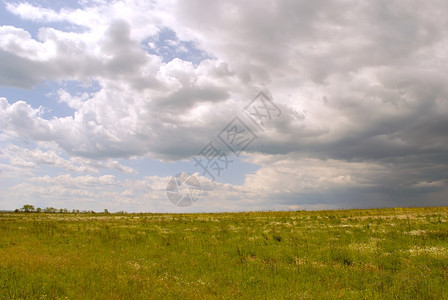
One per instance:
[(167, 45)]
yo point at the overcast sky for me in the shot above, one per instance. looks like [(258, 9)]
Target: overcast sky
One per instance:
[(101, 102)]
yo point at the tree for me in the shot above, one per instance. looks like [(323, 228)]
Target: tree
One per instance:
[(38, 209), (50, 210), (28, 208), (106, 211)]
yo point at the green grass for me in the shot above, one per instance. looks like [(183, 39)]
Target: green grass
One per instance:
[(360, 254)]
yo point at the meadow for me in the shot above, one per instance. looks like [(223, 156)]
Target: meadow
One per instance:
[(399, 253)]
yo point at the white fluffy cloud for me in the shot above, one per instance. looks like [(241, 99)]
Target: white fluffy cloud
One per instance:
[(32, 158)]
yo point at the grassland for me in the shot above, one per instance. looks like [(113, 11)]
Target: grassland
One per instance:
[(371, 254)]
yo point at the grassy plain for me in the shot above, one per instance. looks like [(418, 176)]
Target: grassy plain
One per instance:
[(399, 253)]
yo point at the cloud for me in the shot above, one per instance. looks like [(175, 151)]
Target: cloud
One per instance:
[(34, 158), (395, 86), (284, 182), (95, 192), (361, 88), (79, 181)]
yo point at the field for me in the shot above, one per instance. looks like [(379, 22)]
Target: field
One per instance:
[(372, 254)]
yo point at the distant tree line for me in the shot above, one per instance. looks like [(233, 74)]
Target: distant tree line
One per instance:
[(28, 208)]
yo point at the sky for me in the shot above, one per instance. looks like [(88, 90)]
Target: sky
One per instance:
[(263, 105)]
